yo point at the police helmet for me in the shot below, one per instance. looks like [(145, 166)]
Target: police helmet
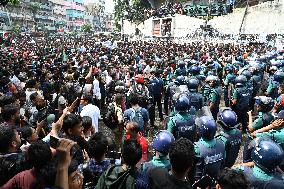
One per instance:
[(194, 70), (279, 76), (180, 80), (267, 155), (273, 68), (275, 63), (240, 80), (212, 78), (207, 128), (264, 101), (162, 141), (228, 119), (182, 104), (181, 63), (247, 74), (193, 84)]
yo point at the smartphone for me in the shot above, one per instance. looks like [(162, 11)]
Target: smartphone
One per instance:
[(54, 142), (205, 182)]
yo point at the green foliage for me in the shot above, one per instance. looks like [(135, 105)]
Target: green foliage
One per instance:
[(5, 2), (16, 30), (34, 6), (86, 28), (135, 10)]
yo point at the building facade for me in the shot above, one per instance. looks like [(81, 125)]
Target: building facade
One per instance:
[(68, 15)]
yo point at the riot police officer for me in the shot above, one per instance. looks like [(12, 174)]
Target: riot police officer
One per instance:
[(183, 123), (214, 95), (272, 90), (168, 97), (161, 144), (250, 85), (230, 135), (276, 134), (182, 87), (179, 87), (181, 70), (228, 80), (196, 98), (240, 100), (209, 151), (263, 106), (156, 87), (266, 155)]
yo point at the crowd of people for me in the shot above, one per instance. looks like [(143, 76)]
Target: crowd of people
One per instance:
[(80, 113)]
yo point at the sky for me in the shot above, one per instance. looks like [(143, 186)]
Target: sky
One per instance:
[(109, 6)]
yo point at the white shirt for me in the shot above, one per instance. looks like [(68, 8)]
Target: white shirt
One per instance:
[(94, 113), (96, 89)]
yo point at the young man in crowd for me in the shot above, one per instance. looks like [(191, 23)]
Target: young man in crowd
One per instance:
[(12, 161), (90, 110), (137, 114), (182, 159)]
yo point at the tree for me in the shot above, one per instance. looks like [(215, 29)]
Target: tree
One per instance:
[(16, 29), (135, 10), (34, 6), (5, 2), (86, 28)]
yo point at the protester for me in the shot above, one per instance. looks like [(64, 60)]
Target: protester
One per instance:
[(181, 157), (55, 91)]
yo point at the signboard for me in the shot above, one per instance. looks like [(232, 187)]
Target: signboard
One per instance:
[(156, 28)]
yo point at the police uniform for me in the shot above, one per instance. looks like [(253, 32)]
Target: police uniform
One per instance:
[(205, 93), (168, 98), (262, 120), (227, 81), (275, 135), (214, 97), (260, 179), (272, 89), (232, 140), (181, 71), (210, 155), (242, 95), (196, 99), (183, 125), (278, 103), (156, 91), (157, 162), (251, 88)]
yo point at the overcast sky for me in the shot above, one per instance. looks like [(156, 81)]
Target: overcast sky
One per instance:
[(109, 6)]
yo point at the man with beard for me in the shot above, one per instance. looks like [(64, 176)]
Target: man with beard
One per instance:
[(12, 161)]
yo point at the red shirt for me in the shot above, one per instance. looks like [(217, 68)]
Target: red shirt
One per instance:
[(144, 145), (25, 180)]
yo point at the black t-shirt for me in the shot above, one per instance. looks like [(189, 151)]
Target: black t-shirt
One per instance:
[(161, 179)]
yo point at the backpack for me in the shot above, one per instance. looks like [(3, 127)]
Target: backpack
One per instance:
[(110, 119), (143, 99), (130, 179), (136, 116)]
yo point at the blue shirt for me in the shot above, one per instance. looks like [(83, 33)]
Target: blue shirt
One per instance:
[(97, 168), (130, 113)]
